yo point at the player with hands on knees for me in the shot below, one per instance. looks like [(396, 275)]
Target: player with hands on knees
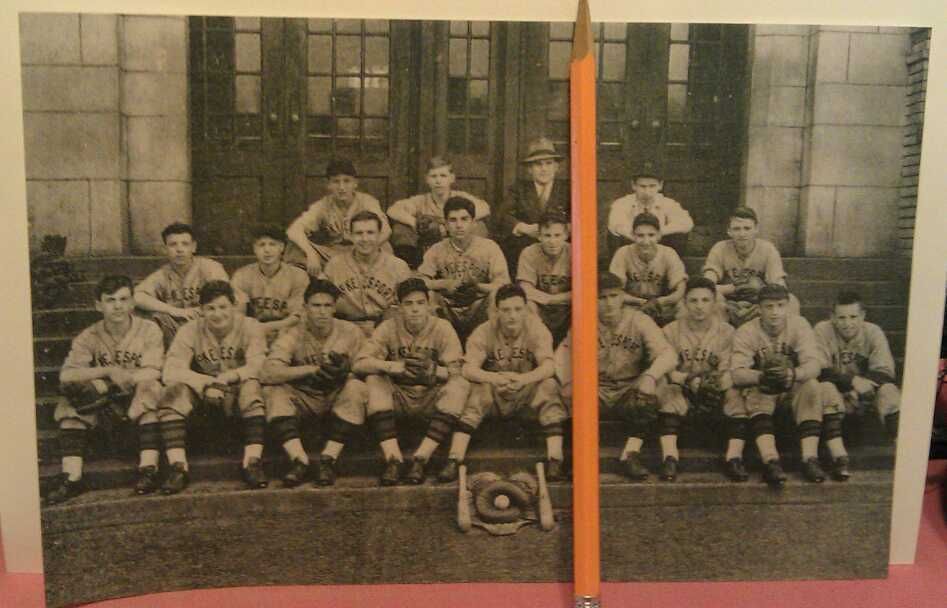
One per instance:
[(544, 272)]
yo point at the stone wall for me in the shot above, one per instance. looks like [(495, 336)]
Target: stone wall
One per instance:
[(105, 127), (913, 136)]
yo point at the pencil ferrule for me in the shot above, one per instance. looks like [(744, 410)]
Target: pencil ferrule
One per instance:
[(587, 601)]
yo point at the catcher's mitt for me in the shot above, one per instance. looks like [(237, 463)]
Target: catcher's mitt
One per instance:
[(420, 370), (778, 375), (708, 398), (334, 369), (465, 295)]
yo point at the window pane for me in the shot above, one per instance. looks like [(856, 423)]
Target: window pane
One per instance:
[(319, 95), (558, 131), (679, 31), (456, 137), (706, 31), (458, 28), (376, 55), (320, 54), (559, 57), (677, 101), (612, 102), (348, 58), (220, 95), (348, 26), (678, 133), (478, 137), (560, 31), (248, 52), (615, 31), (320, 25), (376, 128), (248, 126), (480, 28), (247, 24), (557, 104), (610, 133), (479, 57), (678, 59), (320, 126), (457, 54), (706, 61), (376, 96), (220, 23), (479, 98), (613, 62), (346, 127), (376, 26), (248, 94), (220, 52), (346, 96), (456, 96)]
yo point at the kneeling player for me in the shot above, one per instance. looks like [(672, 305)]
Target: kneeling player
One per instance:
[(776, 360), (702, 378), (413, 366), (215, 361), (633, 358), (310, 365), (510, 361), (115, 363), (859, 370)]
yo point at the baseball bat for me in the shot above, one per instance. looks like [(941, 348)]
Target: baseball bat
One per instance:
[(463, 500), (546, 519)]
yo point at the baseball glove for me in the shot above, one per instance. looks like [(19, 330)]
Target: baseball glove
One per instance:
[(747, 293), (778, 375), (708, 399), (420, 370), (465, 295), (334, 369), (651, 307), (428, 228)]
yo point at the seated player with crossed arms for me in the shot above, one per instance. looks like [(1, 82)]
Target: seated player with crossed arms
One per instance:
[(653, 274), (702, 379), (412, 363), (859, 371), (742, 265), (776, 360), (417, 222), (113, 364), (270, 290), (309, 368), (510, 362), (544, 272), (367, 276), (633, 359), (463, 269), (171, 293), (214, 361)]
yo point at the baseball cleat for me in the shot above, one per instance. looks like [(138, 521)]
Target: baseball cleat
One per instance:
[(773, 474), (735, 470), (177, 479), (65, 490), (416, 473), (297, 474), (633, 468), (555, 470), (840, 469), (669, 469), (392, 473), (812, 472), (450, 471), (325, 470), (147, 480), (253, 474)]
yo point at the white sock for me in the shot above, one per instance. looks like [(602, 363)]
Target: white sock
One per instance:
[(333, 449), (425, 450), (148, 458), (669, 447), (251, 451), (176, 455), (554, 447), (766, 444), (632, 445), (458, 446), (295, 450), (735, 448), (72, 466), (836, 447), (391, 450), (810, 447)]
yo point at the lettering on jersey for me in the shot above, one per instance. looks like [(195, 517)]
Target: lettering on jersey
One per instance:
[(189, 296), (267, 307), (215, 356), (463, 268), (509, 358), (404, 352), (739, 276), (553, 283), (699, 356), (629, 343), (118, 358), (779, 348), (360, 283)]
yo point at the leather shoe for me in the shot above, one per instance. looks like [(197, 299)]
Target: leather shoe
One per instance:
[(633, 468)]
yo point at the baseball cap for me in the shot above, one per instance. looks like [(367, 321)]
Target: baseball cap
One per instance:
[(773, 291)]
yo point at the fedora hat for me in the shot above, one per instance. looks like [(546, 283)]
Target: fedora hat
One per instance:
[(541, 149)]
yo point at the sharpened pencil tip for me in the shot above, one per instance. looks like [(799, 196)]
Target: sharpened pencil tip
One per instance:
[(582, 38)]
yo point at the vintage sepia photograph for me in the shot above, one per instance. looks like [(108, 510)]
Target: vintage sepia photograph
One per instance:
[(301, 298)]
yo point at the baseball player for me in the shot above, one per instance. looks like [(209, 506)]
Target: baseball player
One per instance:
[(776, 360), (367, 275), (742, 265), (171, 293), (463, 269), (323, 230), (214, 360), (653, 274), (859, 369), (674, 221), (509, 362), (412, 363), (115, 364), (309, 367), (418, 222), (702, 378), (544, 272), (269, 290), (633, 359)]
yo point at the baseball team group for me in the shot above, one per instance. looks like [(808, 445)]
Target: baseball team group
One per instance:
[(355, 315)]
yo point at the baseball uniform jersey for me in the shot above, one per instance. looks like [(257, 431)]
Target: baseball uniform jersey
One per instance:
[(367, 290), (700, 353), (141, 347), (197, 349), (867, 353), (426, 204), (674, 219), (391, 341), (628, 349), (298, 345), (752, 344), (481, 261), (271, 298), (182, 291), (519, 354), (763, 263), (654, 278), (551, 275), (330, 224)]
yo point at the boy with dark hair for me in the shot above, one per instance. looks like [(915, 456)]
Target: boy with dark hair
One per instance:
[(545, 274), (653, 274), (463, 269), (412, 363), (269, 290), (114, 364), (367, 275), (674, 221), (214, 360), (309, 368), (171, 293)]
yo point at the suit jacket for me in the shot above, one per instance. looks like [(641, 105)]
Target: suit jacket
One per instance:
[(522, 205)]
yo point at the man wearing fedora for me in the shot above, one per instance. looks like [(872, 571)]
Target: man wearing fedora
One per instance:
[(517, 225)]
